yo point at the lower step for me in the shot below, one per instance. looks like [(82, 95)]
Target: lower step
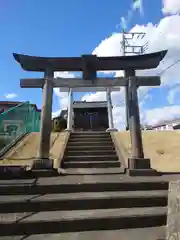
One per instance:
[(151, 233), (112, 157), (91, 164), (82, 201), (95, 171), (84, 220)]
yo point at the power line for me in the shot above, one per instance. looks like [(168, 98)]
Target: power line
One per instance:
[(164, 70), (142, 50), (159, 74)]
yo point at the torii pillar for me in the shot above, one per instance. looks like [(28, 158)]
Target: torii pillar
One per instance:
[(70, 111), (46, 118), (110, 113)]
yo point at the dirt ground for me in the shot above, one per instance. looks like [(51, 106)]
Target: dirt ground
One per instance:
[(26, 150), (162, 147)]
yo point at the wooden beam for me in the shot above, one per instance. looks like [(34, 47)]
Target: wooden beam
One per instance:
[(99, 82)]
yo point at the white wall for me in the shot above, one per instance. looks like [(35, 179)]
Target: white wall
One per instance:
[(168, 127)]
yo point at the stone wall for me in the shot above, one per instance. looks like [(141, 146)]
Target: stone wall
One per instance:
[(173, 218)]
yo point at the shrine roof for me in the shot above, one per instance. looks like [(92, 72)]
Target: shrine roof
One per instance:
[(84, 104), (77, 102), (40, 64)]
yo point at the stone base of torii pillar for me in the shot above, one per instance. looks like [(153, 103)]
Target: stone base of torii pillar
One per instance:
[(68, 130), (141, 167), (111, 130), (44, 163)]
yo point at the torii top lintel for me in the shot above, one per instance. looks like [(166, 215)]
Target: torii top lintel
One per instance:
[(41, 64)]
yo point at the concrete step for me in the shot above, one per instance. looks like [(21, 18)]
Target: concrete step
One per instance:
[(81, 220), (91, 164), (95, 171), (81, 140), (95, 183), (82, 201), (90, 136), (70, 184), (83, 152), (30, 174), (88, 157), (89, 148), (91, 133), (84, 143), (92, 139), (150, 233)]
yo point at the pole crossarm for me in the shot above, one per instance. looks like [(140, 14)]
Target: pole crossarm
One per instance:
[(99, 82), (90, 62)]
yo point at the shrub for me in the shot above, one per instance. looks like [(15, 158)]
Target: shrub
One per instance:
[(59, 124)]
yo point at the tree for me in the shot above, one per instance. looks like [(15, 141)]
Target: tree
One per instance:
[(59, 124)]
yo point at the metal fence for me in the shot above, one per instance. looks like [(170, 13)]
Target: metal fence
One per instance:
[(21, 119)]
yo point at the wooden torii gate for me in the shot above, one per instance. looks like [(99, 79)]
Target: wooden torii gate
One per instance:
[(89, 65)]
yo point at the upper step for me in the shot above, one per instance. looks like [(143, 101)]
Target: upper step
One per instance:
[(90, 136), (71, 184), (91, 133), (90, 143), (82, 152), (97, 140), (89, 148)]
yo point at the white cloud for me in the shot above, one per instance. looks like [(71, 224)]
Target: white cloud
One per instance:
[(163, 36), (10, 95), (138, 4), (109, 46), (56, 113), (153, 116), (171, 6), (62, 96), (173, 96)]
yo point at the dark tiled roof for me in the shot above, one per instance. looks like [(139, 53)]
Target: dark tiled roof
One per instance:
[(13, 103), (9, 103)]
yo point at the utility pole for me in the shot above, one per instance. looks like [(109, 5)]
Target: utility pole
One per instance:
[(133, 49)]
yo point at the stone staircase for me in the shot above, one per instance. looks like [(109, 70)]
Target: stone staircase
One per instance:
[(95, 200), (93, 153)]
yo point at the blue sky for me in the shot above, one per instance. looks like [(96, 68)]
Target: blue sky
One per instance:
[(59, 28)]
